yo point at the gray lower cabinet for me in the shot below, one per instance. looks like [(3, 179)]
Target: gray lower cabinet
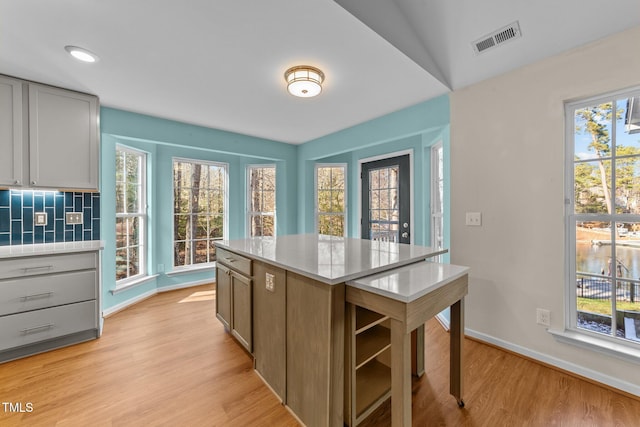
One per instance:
[(234, 296), (47, 302)]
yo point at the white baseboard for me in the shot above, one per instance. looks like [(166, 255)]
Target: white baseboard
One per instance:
[(185, 285), (131, 301), (558, 363), (124, 304)]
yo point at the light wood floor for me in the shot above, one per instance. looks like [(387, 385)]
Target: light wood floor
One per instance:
[(168, 362)]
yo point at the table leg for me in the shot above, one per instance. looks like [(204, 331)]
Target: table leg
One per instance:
[(455, 349), (400, 375)]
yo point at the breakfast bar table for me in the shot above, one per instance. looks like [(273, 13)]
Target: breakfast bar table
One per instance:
[(288, 299), (408, 296)]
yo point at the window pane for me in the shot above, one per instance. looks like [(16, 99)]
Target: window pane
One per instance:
[(122, 264), (199, 198), (133, 202), (120, 197), (132, 168), (180, 254), (592, 194), (121, 232), (133, 231), (593, 131), (628, 122), (627, 182)]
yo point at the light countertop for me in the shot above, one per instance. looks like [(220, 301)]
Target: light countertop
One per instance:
[(410, 282), (329, 259), (16, 251)]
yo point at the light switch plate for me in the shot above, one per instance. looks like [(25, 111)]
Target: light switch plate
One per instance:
[(73, 217), (40, 218), (474, 219), (270, 282)]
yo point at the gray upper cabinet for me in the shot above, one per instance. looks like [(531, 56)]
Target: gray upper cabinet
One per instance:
[(11, 135), (63, 138), (52, 134)]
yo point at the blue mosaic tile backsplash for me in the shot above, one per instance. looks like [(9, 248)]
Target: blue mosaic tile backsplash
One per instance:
[(17, 209)]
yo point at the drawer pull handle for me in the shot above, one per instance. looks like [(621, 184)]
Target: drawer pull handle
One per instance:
[(230, 259), (34, 296), (35, 329), (41, 267)]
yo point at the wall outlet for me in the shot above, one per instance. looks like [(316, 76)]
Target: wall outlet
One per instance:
[(40, 218), (73, 217), (270, 282), (543, 317), (474, 219)]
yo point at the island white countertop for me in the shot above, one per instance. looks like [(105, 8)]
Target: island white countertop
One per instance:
[(329, 259), (410, 282), (16, 251)]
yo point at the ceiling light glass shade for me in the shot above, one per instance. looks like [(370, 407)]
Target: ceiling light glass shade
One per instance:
[(304, 81), (81, 54)]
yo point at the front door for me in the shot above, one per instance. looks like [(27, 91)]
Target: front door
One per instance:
[(386, 200)]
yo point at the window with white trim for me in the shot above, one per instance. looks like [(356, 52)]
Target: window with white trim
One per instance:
[(603, 216), (261, 193), (331, 199), (131, 215), (437, 197), (199, 210)]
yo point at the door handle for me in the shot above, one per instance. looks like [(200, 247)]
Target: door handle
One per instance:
[(405, 235)]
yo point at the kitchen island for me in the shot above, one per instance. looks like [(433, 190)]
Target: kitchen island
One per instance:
[(296, 297)]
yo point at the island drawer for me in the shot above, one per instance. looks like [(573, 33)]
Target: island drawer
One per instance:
[(234, 261), (39, 325), (31, 293), (31, 266)]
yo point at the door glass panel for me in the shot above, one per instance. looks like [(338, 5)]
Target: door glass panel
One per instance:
[(383, 206)]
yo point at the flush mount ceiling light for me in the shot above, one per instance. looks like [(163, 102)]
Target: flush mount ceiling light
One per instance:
[(81, 54), (304, 81)]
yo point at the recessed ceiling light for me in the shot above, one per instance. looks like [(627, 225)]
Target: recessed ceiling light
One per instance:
[(81, 54)]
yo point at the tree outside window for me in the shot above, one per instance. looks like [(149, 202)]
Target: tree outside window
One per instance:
[(604, 215), (199, 207), (331, 208), (262, 200), (131, 218)]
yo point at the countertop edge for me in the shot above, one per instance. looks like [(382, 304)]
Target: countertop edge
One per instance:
[(39, 249), (409, 298), (336, 280)]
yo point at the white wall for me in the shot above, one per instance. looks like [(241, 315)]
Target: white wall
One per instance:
[(507, 161)]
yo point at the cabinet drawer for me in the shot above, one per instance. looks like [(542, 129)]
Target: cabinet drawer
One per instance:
[(39, 325), (233, 260), (31, 266), (24, 294)]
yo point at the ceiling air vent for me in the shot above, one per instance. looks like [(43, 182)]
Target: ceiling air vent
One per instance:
[(497, 38)]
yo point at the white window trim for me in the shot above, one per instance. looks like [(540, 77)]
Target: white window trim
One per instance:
[(571, 334), (436, 215), (143, 275), (346, 196), (248, 199), (225, 220)]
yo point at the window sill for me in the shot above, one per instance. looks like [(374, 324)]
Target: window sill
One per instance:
[(625, 352), (192, 269), (128, 285)]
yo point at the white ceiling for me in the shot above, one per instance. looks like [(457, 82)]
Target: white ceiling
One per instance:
[(220, 64)]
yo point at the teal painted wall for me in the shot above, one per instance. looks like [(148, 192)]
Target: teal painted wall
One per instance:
[(163, 140), (415, 128)]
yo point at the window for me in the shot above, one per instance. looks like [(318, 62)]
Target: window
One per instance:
[(131, 216), (437, 196), (199, 210), (331, 206), (603, 216), (262, 200)]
